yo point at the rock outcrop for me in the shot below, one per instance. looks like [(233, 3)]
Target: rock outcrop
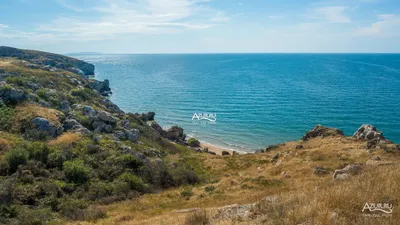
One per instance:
[(103, 87), (175, 133), (370, 134), (11, 95), (321, 131), (46, 128), (347, 172)]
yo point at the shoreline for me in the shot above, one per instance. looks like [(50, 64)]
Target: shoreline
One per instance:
[(218, 150)]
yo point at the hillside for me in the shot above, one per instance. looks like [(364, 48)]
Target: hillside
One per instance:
[(68, 155)]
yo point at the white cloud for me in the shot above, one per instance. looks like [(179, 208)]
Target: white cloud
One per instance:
[(333, 14), (116, 17), (388, 25), (3, 26), (220, 17)]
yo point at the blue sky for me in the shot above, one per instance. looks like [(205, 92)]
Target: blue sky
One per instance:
[(201, 26)]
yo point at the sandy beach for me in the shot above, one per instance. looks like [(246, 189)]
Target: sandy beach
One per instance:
[(217, 150)]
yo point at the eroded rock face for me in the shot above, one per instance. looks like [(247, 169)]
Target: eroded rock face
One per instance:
[(175, 133), (370, 134), (103, 87), (75, 126), (321, 131), (11, 95), (347, 172), (46, 128)]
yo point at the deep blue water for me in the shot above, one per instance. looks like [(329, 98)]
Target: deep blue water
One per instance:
[(259, 99)]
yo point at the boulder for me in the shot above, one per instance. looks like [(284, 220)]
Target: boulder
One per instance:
[(233, 212), (370, 134), (132, 135), (158, 128), (175, 133), (107, 117), (318, 170), (271, 147), (75, 126), (11, 95), (321, 131), (46, 127), (111, 106), (126, 124), (103, 87), (192, 142), (64, 106), (89, 111), (224, 153), (347, 172), (151, 115)]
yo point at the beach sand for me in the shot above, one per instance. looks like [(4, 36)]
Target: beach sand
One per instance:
[(217, 150)]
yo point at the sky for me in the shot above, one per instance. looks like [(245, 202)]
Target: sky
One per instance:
[(202, 26)]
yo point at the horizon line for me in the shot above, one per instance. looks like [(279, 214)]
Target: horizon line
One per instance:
[(221, 53)]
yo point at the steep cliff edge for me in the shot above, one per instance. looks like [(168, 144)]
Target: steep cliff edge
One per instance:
[(45, 59)]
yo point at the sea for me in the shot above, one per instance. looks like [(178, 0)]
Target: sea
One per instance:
[(246, 102)]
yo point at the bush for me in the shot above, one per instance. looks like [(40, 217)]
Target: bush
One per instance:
[(38, 151), (98, 190), (16, 157), (56, 159), (28, 216), (73, 209), (129, 161), (192, 142), (187, 193), (209, 188), (15, 80), (75, 171), (6, 118), (84, 94), (135, 183), (199, 217), (184, 175), (42, 93)]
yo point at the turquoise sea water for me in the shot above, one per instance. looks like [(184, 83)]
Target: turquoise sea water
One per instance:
[(258, 99)]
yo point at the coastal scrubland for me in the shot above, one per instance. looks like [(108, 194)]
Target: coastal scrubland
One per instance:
[(68, 155)]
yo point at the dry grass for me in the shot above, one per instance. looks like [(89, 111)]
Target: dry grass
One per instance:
[(304, 197), (25, 113), (66, 138)]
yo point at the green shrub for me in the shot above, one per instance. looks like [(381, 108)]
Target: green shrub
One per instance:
[(187, 193), (75, 171), (73, 209), (42, 93), (15, 80), (193, 142), (37, 216), (98, 190), (135, 183), (209, 188), (38, 151), (16, 157), (7, 212), (56, 159), (6, 118), (129, 161), (184, 175), (84, 94)]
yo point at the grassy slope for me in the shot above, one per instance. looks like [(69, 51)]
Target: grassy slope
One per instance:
[(304, 196), (100, 160)]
